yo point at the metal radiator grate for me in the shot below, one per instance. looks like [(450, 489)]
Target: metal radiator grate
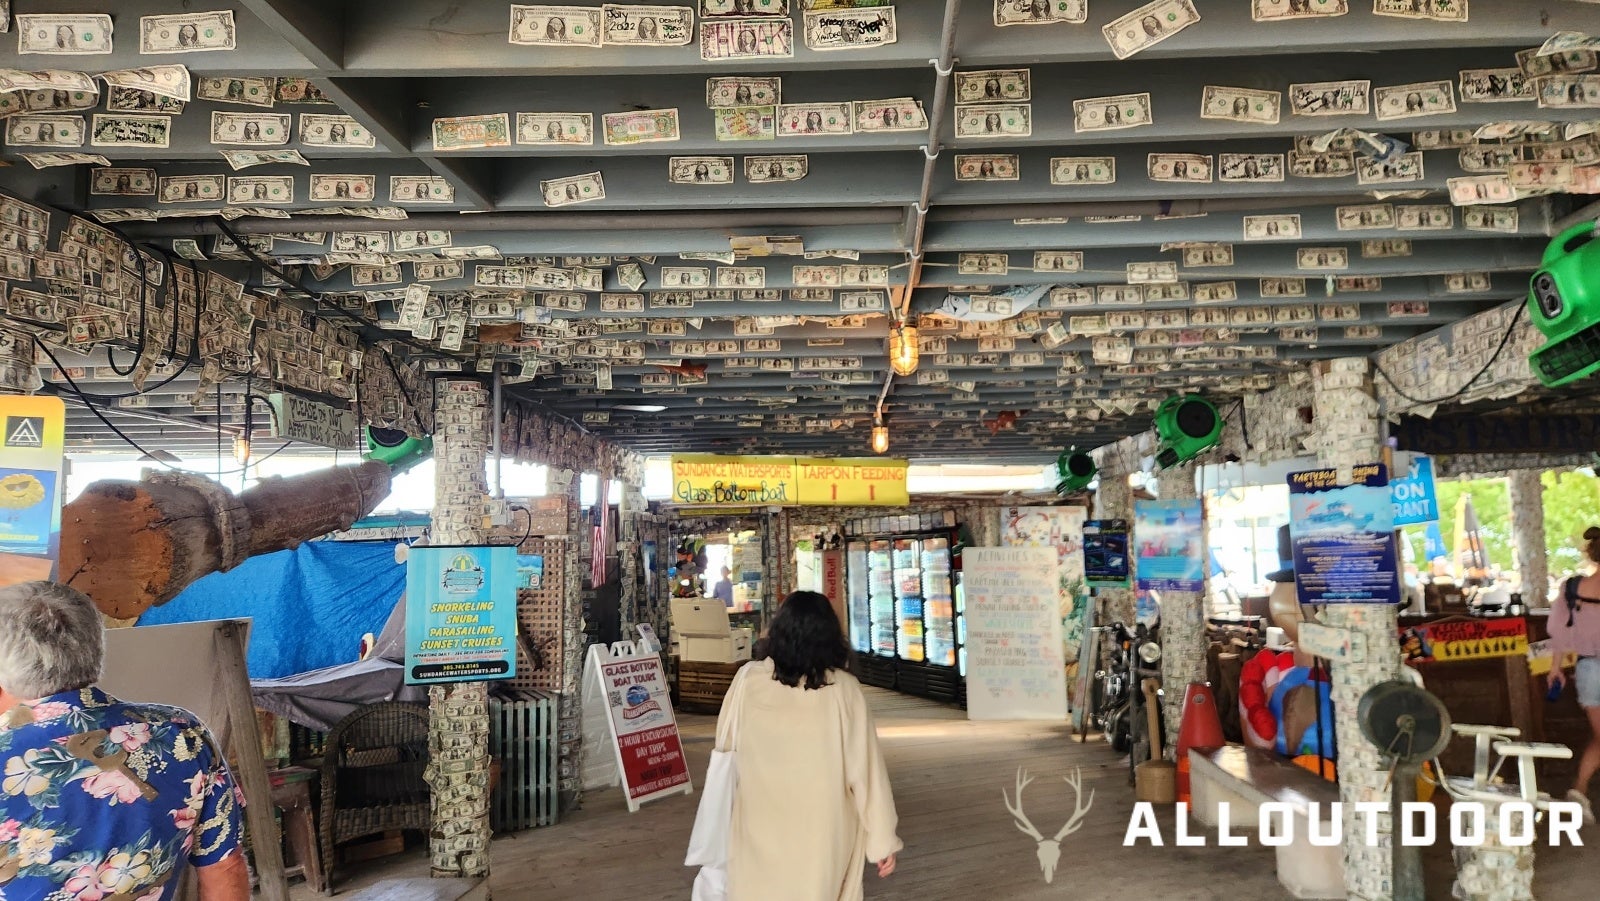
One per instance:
[(522, 736)]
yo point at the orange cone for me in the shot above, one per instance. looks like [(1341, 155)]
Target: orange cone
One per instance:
[(1199, 727)]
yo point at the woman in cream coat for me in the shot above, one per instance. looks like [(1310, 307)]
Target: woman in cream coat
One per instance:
[(813, 803)]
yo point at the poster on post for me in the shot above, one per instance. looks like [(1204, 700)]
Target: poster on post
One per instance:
[(627, 705), (32, 436), (1413, 494), (461, 614), (1168, 535), (1015, 668), (1105, 553), (1060, 528), (1343, 536)]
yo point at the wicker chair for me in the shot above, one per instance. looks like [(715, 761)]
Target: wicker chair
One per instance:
[(372, 775)]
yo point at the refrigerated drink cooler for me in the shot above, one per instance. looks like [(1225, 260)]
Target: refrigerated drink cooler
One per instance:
[(905, 614)]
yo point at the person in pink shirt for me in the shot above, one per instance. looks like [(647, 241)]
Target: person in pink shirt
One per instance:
[(1575, 628)]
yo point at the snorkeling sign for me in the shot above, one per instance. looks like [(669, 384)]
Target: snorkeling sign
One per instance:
[(712, 480), (626, 705)]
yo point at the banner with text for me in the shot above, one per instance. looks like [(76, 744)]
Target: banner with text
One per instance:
[(1464, 639), (1343, 536), (714, 480), (1015, 668), (32, 436)]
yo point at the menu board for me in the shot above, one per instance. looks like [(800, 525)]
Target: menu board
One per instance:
[(1015, 667)]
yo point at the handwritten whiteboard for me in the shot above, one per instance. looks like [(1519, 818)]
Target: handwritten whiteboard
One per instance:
[(1015, 666)]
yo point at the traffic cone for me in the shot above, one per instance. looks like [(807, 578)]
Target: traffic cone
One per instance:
[(1199, 727)]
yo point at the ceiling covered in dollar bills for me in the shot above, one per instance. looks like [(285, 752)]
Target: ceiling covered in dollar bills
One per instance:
[(694, 227)]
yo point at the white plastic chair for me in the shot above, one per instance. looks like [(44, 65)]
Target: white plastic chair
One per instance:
[(1481, 786)]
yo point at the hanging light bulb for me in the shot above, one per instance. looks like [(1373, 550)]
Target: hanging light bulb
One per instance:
[(903, 351), (241, 450), (880, 437)]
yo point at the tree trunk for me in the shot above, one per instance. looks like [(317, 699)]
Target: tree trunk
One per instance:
[(133, 545)]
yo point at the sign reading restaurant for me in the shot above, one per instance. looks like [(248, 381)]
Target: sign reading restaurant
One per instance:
[(712, 480)]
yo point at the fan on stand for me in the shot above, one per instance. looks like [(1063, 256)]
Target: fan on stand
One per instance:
[(1410, 727)]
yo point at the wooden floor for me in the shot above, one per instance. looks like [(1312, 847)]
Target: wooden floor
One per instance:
[(961, 843)]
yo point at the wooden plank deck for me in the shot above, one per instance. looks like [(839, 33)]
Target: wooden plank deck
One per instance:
[(960, 841)]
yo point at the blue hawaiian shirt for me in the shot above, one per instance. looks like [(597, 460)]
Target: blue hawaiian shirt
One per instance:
[(106, 801)]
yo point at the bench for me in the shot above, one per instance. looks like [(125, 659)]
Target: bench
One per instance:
[(1245, 778)]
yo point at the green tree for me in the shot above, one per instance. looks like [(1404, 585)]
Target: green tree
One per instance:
[(1491, 500), (1571, 504)]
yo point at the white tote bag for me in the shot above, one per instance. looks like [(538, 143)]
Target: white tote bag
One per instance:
[(713, 821)]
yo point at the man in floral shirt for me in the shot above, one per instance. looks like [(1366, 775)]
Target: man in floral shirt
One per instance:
[(101, 800)]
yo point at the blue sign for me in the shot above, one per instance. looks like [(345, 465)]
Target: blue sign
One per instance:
[(530, 572), (1105, 553), (461, 613), (1433, 543), (1415, 500), (1343, 537), (1171, 553)]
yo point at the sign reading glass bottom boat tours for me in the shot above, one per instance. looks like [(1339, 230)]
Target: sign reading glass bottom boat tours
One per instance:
[(1343, 536), (626, 686), (461, 614)]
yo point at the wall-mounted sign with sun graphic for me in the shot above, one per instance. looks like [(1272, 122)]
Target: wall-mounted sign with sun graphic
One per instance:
[(461, 614), (31, 437)]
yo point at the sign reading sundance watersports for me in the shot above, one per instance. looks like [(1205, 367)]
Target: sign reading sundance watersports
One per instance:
[(711, 480)]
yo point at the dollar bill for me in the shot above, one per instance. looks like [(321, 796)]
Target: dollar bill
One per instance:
[(1281, 10), (1083, 170), (1403, 168), (754, 38), (436, 270), (1201, 255), (249, 91), (556, 26), (987, 167), (1568, 91), (1240, 105), (471, 132), (55, 100), (1404, 101), (745, 123), (700, 170), (640, 127), (860, 302), (815, 276), (63, 34), (1441, 139), (1268, 227), (1283, 287), (994, 86), (685, 277), (51, 160), (1535, 65), (1330, 98), (244, 159), (1250, 167), (191, 188), (130, 130), (342, 187), (186, 33), (1531, 177), (1184, 167), (1515, 130), (46, 79), (981, 264), (420, 189), (741, 277), (795, 119), (167, 81), (93, 328), (1062, 261), (555, 128), (1040, 12), (994, 120), (1161, 271), (1322, 258), (1567, 40), (420, 239), (646, 26), (573, 189), (45, 131), (367, 276), (850, 29), (1110, 113), (133, 100), (1467, 282), (1148, 26), (1364, 216), (1490, 219), (1484, 158), (1438, 10), (320, 130), (123, 182), (268, 189), (1495, 85), (1424, 217), (743, 90), (765, 7), (761, 169), (864, 276), (299, 90), (255, 129), (900, 114)]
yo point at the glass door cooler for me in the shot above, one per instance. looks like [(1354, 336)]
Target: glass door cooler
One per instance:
[(904, 618)]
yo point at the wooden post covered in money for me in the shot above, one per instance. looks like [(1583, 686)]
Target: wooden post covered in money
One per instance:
[(458, 714)]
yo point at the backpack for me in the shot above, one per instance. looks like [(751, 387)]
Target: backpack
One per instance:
[(1569, 591)]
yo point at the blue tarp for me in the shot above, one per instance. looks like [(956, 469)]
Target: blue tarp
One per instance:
[(310, 605)]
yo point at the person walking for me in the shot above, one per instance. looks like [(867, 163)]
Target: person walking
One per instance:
[(1575, 628), (101, 798), (813, 802)]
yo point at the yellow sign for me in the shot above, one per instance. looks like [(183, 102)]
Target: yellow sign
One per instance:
[(852, 483), (710, 480)]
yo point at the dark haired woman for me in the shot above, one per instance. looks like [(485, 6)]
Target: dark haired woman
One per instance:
[(1575, 628), (813, 801)]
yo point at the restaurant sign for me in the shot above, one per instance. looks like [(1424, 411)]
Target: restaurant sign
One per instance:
[(713, 480)]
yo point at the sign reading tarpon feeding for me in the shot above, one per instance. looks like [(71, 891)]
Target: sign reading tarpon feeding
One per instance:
[(711, 480)]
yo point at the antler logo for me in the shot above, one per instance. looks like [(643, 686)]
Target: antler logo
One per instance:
[(1049, 848)]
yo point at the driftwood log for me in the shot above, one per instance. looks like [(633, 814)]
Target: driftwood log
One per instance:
[(133, 545)]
